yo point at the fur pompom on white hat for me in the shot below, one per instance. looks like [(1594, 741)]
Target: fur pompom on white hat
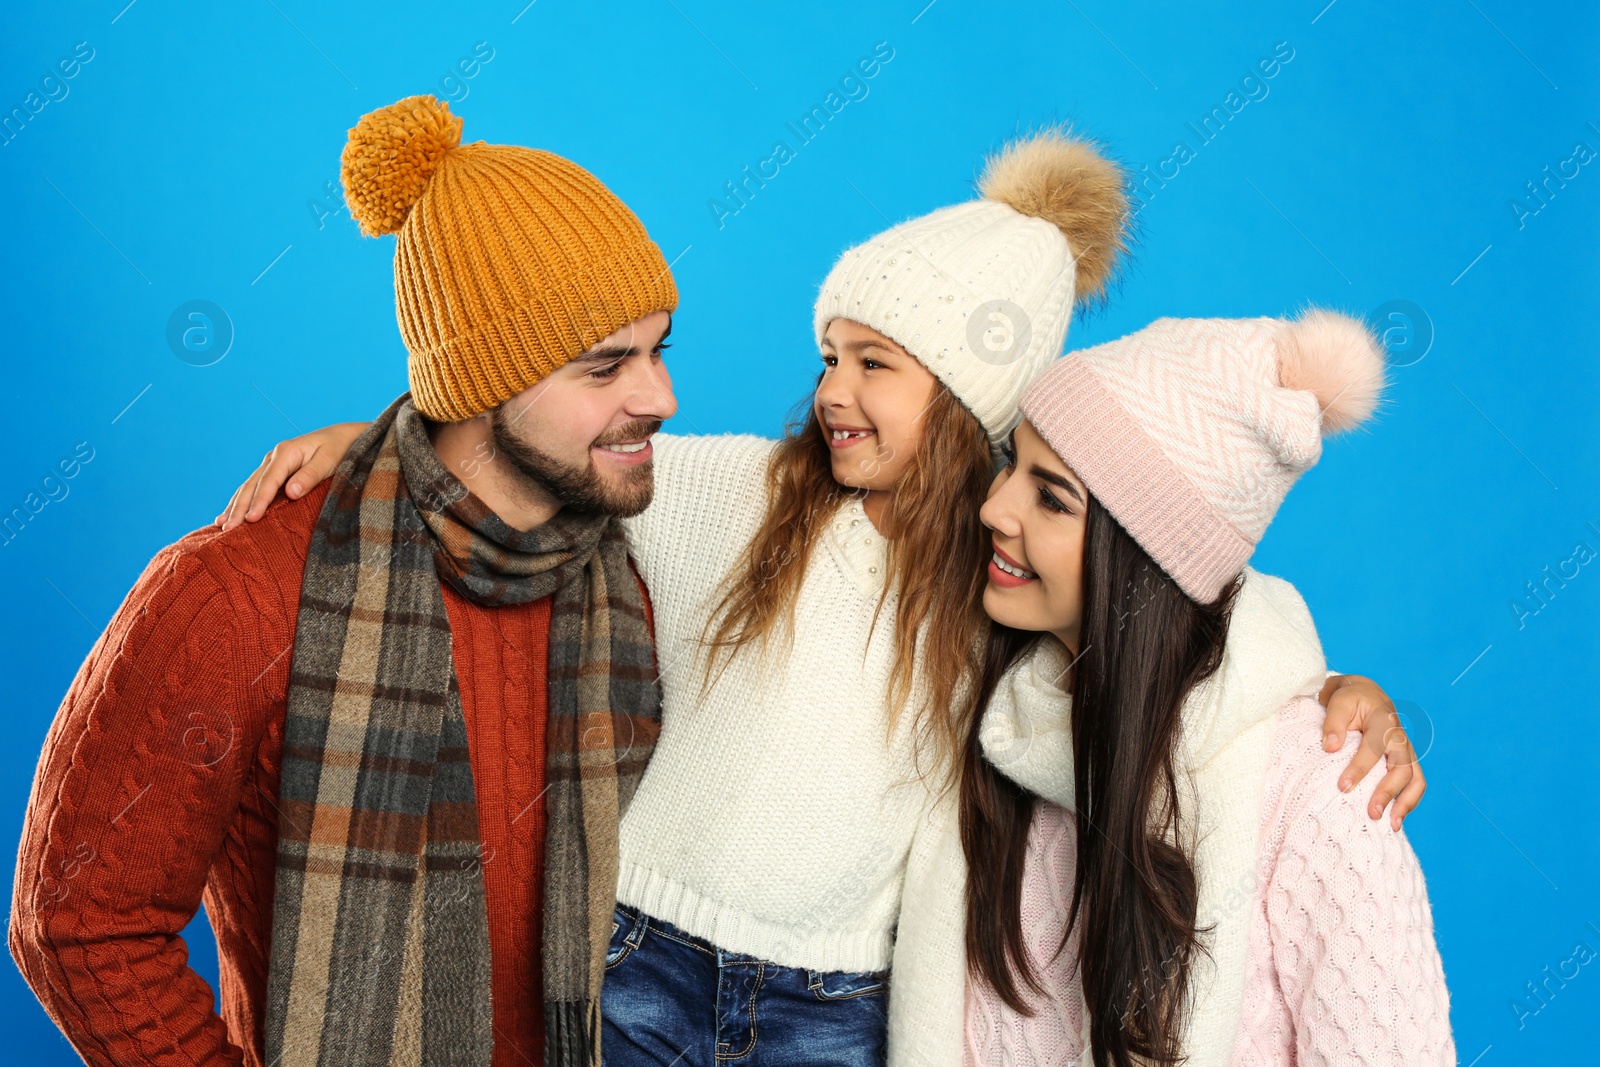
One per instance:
[(1069, 184)]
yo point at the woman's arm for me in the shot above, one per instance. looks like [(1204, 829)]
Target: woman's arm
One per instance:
[(1350, 924)]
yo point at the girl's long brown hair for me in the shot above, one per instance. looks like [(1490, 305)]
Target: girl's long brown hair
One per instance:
[(937, 549), (1145, 645)]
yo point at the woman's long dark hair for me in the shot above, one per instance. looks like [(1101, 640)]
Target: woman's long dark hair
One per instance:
[(1144, 645)]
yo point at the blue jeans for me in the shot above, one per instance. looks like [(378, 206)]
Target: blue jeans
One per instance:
[(674, 1000)]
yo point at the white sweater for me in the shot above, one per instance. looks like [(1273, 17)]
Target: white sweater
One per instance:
[(776, 817)]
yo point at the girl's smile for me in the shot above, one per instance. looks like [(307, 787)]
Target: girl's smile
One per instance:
[(840, 437)]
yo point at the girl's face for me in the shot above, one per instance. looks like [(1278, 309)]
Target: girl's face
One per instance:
[(1035, 513), (870, 403)]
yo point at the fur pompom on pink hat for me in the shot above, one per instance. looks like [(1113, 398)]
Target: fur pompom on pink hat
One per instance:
[(1191, 431)]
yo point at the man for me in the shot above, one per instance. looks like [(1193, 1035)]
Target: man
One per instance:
[(387, 733)]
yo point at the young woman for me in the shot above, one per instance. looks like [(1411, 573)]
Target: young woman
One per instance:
[(1214, 900), (816, 602)]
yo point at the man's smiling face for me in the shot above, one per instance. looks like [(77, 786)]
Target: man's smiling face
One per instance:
[(583, 432)]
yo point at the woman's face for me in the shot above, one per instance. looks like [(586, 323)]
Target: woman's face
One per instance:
[(1035, 513), (870, 403)]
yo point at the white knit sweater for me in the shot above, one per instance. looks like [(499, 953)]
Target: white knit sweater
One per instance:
[(776, 816)]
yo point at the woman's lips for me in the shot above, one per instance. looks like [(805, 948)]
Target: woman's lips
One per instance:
[(1001, 568)]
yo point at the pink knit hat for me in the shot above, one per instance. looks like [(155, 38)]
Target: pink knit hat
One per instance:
[(1191, 431)]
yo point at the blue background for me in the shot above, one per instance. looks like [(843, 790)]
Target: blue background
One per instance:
[(189, 159)]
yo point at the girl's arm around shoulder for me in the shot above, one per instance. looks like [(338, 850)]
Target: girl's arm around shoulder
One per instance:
[(709, 489)]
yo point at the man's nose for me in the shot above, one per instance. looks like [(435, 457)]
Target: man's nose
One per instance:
[(652, 395)]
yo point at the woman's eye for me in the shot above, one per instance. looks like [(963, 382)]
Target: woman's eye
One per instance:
[(1048, 499), (1008, 454)]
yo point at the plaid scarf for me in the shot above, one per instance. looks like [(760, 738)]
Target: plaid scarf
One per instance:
[(380, 946)]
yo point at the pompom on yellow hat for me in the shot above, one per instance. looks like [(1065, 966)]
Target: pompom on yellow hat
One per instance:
[(509, 261)]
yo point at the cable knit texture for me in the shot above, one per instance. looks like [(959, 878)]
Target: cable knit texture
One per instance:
[(1272, 654), (157, 786), (1341, 968)]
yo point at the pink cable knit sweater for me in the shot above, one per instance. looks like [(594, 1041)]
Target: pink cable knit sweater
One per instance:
[(1342, 966)]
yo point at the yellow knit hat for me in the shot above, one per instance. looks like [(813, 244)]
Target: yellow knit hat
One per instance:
[(510, 261)]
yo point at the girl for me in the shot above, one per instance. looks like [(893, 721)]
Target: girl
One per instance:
[(1216, 900), (816, 603)]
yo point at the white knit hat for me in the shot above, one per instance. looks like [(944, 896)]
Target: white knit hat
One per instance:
[(1191, 431), (981, 293)]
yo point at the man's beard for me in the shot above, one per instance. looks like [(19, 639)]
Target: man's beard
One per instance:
[(581, 488)]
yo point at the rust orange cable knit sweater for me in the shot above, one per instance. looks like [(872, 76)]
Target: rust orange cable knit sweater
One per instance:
[(157, 787)]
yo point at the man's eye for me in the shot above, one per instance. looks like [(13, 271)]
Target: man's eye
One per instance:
[(606, 372)]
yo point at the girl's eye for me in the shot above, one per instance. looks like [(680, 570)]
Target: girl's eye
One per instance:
[(829, 361), (1009, 453), (1048, 499), (873, 364)]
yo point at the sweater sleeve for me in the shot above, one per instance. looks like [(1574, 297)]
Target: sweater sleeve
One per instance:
[(928, 972), (710, 494), (1350, 927), (137, 784)]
